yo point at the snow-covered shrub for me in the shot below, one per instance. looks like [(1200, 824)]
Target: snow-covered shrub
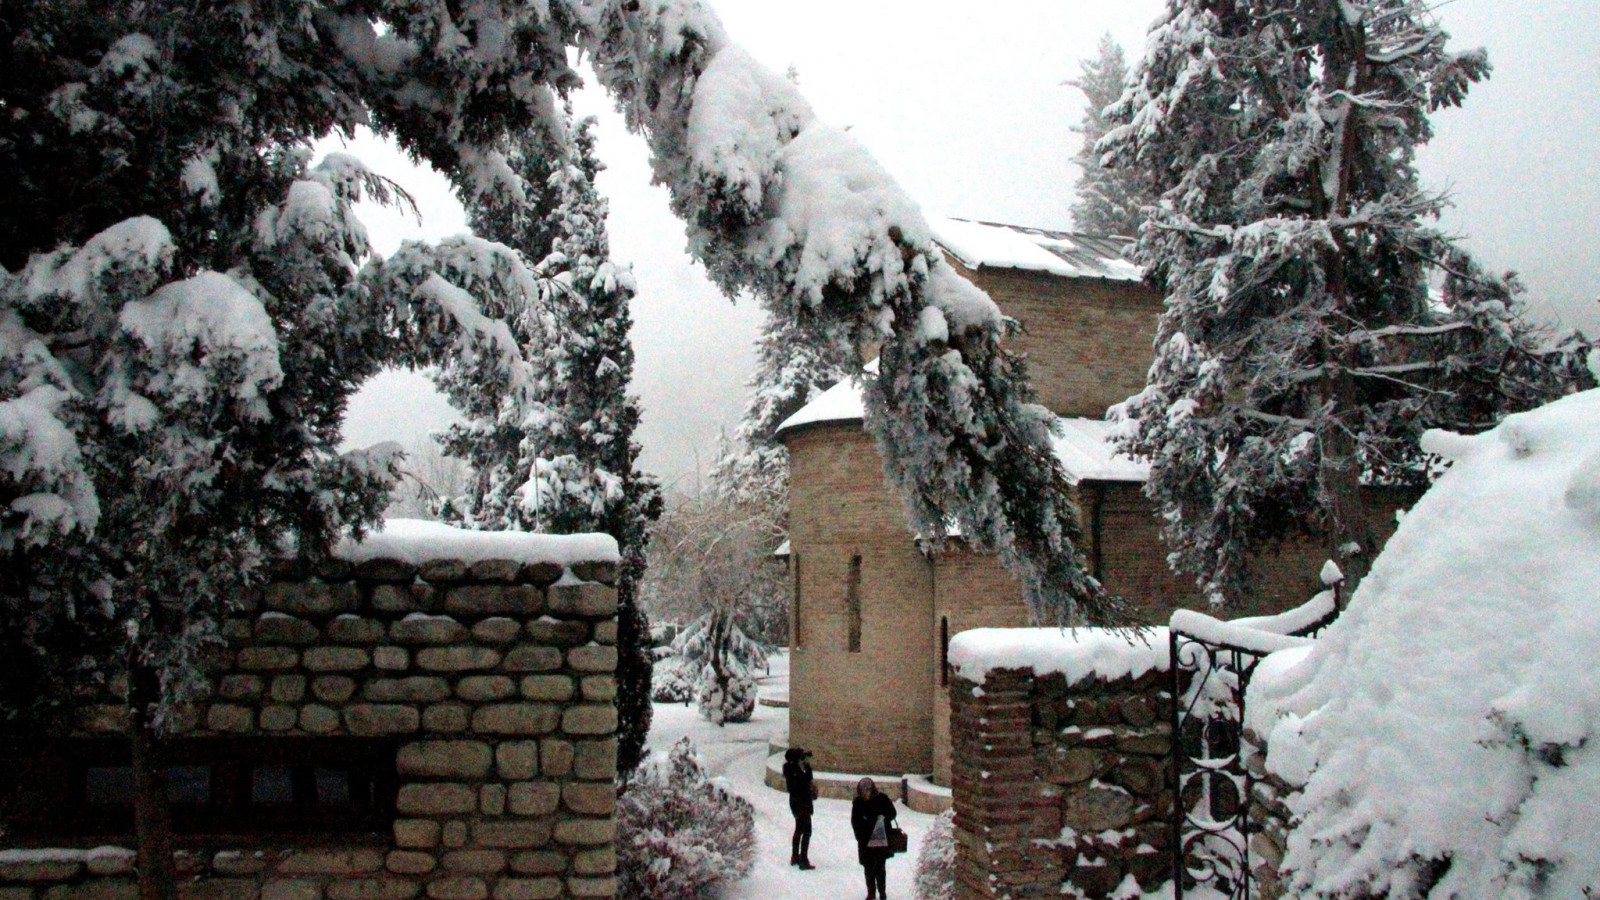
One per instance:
[(728, 695), (674, 680), (679, 832), (936, 860)]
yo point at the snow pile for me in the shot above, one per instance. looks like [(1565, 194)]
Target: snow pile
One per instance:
[(1077, 653), (936, 859), (413, 541), (679, 833), (1445, 727)]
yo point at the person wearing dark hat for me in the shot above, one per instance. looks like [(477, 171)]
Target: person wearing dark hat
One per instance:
[(802, 789)]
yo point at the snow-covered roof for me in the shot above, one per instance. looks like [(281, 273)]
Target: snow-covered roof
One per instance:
[(987, 244), (1082, 445), (1453, 711), (413, 541)]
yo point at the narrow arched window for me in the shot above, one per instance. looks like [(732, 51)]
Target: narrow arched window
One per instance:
[(852, 604), (944, 651)]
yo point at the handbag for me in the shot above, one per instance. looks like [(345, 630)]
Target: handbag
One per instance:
[(897, 841), (814, 791)]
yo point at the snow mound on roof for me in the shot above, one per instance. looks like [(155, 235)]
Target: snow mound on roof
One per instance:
[(1452, 716), (415, 542), (1077, 653), (984, 244)]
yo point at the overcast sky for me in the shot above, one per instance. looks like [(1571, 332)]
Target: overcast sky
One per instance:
[(964, 104)]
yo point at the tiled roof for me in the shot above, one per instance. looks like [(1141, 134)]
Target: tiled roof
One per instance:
[(1069, 255)]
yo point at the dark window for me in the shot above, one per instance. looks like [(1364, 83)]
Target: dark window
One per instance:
[(219, 787), (852, 603), (794, 560), (944, 651)]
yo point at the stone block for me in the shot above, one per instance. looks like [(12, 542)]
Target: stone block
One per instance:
[(1096, 808), (337, 659), (98, 889), (335, 863), (288, 688), (462, 887), (599, 861), (586, 832), (520, 600), (1141, 775), (592, 658), (474, 862), (239, 687), (516, 718), (415, 689), (492, 799), (410, 862), (516, 760), (454, 835), (312, 598), (497, 630), (457, 659), (396, 571), (107, 861), (416, 833), (445, 759), (418, 628), (439, 799), (231, 719), (279, 718), (333, 688), (439, 571), (446, 718), (595, 760), (351, 629), (539, 862), (391, 659), (267, 659), (374, 889), (592, 887), (104, 718), (220, 889), (481, 688), (586, 599), (333, 569), (555, 757), (600, 688), (533, 798), (319, 719), (541, 573), (40, 869), (548, 632), (1150, 743), (514, 834), (527, 889), (589, 719), (605, 632), (595, 570), (291, 889), (499, 571), (532, 659), (282, 628), (395, 599), (590, 799), (1072, 766), (381, 718), (549, 688)]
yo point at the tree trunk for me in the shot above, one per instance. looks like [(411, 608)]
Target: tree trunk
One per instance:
[(152, 814)]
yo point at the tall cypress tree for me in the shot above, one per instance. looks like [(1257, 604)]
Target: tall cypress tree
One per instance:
[(563, 459), (1303, 349), (1108, 198)]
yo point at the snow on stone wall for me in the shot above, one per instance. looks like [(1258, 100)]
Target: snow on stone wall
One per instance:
[(1077, 653), (1444, 730)]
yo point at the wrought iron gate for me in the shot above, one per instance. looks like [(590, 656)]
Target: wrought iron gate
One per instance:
[(1211, 821)]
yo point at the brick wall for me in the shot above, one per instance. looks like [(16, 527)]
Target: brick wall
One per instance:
[(1061, 787), (869, 711), (1088, 340), (497, 687)]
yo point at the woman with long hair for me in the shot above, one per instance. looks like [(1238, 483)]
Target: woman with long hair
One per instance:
[(871, 814)]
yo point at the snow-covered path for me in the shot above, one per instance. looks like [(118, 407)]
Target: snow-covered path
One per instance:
[(738, 753)]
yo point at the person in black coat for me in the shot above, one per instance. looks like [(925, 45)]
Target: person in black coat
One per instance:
[(866, 810), (797, 779)]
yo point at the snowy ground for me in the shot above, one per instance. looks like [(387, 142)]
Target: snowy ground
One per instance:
[(738, 753)]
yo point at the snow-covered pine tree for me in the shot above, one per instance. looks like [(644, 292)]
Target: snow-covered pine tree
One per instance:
[(1109, 199), (564, 459), (1302, 351)]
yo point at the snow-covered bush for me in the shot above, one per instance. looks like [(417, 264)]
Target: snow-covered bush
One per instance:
[(679, 832), (1446, 729), (726, 694), (936, 860), (674, 680)]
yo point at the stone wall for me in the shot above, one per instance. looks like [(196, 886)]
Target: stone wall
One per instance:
[(1269, 819), (1061, 788), (494, 679)]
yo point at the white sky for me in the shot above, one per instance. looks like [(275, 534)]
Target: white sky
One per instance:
[(964, 104)]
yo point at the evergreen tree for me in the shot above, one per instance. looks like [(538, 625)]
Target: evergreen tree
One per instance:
[(1302, 352), (563, 460), (1109, 199)]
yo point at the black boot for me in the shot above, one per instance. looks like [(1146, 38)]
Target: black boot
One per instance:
[(805, 864)]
